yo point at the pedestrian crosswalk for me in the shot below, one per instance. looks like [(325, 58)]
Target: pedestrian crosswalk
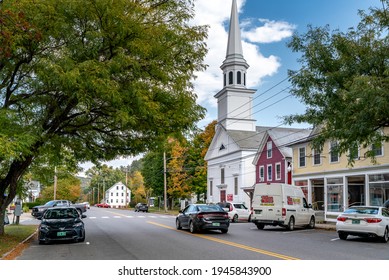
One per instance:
[(131, 217)]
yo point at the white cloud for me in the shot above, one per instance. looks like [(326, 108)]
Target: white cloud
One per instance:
[(216, 14), (271, 31)]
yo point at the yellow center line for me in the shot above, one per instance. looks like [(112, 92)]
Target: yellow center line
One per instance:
[(233, 244)]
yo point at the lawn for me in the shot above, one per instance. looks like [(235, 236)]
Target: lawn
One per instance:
[(14, 234)]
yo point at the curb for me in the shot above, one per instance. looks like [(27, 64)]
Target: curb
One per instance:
[(19, 245)]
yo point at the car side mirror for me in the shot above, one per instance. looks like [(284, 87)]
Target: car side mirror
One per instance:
[(39, 218), (309, 205), (180, 211), (83, 216)]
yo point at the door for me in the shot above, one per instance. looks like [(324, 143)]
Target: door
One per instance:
[(223, 196), (305, 214)]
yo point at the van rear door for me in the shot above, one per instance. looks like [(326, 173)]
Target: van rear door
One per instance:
[(269, 207)]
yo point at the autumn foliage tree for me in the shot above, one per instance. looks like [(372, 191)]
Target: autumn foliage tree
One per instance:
[(178, 185), (67, 188)]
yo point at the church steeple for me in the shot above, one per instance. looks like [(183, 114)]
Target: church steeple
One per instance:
[(234, 66), (235, 100)]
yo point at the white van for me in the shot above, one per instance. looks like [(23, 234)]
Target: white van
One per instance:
[(282, 205)]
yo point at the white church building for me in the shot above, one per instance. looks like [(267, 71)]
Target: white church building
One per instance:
[(230, 156)]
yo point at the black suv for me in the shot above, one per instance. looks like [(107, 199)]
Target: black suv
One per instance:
[(141, 207)]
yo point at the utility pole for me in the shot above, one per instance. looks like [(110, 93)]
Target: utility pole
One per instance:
[(125, 198), (104, 190), (55, 182), (164, 182)]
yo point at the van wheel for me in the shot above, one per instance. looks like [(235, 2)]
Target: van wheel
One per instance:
[(291, 223), (235, 219), (311, 223), (260, 226)]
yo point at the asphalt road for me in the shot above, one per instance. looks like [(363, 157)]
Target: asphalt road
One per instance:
[(113, 234)]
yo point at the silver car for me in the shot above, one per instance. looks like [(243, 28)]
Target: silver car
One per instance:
[(364, 221)]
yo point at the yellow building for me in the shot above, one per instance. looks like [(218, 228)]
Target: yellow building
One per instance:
[(331, 184)]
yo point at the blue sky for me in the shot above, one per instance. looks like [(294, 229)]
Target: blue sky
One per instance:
[(266, 27)]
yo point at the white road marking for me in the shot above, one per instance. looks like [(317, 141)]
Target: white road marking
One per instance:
[(335, 239)]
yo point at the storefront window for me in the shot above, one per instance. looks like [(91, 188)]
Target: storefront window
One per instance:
[(335, 195), (378, 189)]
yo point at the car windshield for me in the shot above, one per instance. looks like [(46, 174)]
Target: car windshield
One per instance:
[(67, 213), (50, 203), (362, 210), (209, 208)]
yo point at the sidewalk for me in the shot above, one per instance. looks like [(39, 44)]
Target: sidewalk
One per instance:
[(25, 218), (326, 226)]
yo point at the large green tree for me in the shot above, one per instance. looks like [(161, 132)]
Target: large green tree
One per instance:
[(98, 78), (344, 81)]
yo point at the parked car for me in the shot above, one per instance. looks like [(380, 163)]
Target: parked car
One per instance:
[(236, 211), (197, 217), (38, 211), (364, 221), (141, 207), (86, 204), (61, 223), (103, 205)]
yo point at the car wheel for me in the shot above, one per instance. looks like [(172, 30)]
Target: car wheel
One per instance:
[(224, 230), (178, 224), (311, 222), (192, 227), (385, 237), (235, 218), (342, 235), (82, 239), (291, 223), (260, 226)]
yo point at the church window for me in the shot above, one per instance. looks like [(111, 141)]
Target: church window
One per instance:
[(244, 78), (222, 147), (239, 78), (230, 78), (224, 80), (222, 176)]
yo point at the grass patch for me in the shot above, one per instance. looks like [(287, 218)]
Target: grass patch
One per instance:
[(14, 234)]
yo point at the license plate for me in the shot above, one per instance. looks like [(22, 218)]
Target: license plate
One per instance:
[(61, 233), (355, 221), (216, 224)]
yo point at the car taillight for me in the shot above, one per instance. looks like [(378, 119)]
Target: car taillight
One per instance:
[(373, 220), (225, 216), (251, 210), (342, 219), (231, 208), (283, 211)]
